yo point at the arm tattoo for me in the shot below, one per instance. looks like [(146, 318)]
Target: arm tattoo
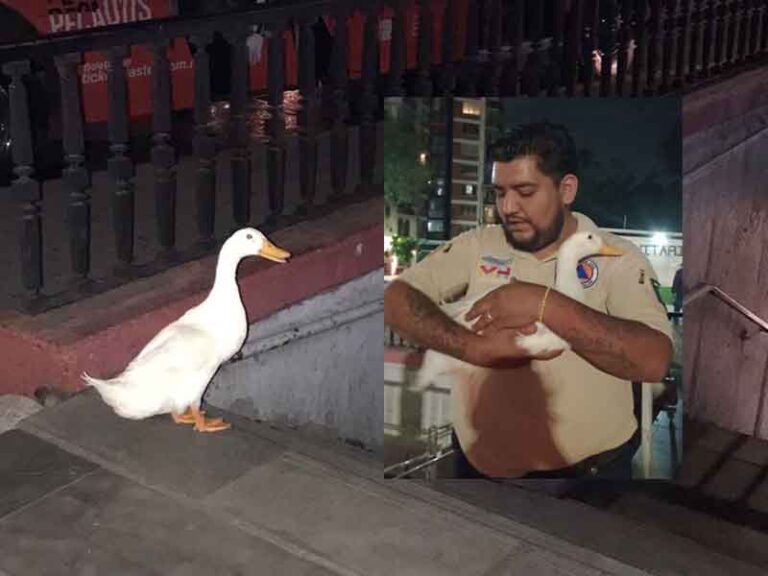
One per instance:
[(423, 322), (614, 345)]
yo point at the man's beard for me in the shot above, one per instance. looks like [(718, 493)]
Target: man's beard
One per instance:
[(542, 237)]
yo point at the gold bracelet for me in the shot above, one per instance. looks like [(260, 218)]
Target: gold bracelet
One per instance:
[(543, 304)]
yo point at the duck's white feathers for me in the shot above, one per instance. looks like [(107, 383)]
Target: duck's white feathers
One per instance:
[(169, 374)]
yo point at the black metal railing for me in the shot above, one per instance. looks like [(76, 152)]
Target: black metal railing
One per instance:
[(461, 47), (333, 105)]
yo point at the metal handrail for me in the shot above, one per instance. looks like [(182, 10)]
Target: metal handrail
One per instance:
[(431, 462), (703, 289)]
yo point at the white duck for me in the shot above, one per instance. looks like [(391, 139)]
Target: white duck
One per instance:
[(173, 370), (577, 247)]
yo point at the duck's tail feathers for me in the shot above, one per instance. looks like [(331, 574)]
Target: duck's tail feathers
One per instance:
[(96, 382)]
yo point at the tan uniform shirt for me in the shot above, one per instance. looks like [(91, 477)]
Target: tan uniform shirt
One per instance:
[(549, 414)]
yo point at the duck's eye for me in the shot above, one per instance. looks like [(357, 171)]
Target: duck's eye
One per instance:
[(250, 236), (589, 236)]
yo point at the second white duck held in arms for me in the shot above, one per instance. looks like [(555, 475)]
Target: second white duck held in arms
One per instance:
[(574, 249), (172, 371)]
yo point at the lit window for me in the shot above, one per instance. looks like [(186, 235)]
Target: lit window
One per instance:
[(469, 190), (470, 109), (435, 226)]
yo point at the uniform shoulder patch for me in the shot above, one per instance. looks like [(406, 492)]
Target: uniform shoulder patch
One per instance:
[(588, 272)]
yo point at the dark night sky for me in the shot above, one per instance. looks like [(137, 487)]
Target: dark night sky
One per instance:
[(635, 144)]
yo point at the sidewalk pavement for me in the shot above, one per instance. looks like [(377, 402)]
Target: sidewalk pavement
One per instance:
[(85, 492)]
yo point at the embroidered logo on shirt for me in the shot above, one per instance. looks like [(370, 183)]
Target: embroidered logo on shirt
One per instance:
[(588, 272), (496, 266)]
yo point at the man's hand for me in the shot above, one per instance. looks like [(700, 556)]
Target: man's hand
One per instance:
[(420, 320), (498, 348), (514, 305)]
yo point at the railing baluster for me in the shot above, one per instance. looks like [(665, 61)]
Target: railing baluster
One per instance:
[(728, 33), (518, 34), (75, 176), (573, 47), (625, 47), (710, 36), (641, 57), (607, 45), (701, 28), (683, 43), (696, 40), (483, 8), (276, 121), (448, 69), (746, 29), (239, 133), (469, 70), (592, 18), (423, 85), (556, 50), (203, 142), (531, 74), (24, 188), (369, 103), (339, 103), (754, 28), (496, 57), (397, 52), (737, 31), (307, 118), (722, 35), (670, 43), (163, 152), (654, 57), (120, 164)]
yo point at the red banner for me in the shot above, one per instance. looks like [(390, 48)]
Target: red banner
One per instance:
[(55, 16)]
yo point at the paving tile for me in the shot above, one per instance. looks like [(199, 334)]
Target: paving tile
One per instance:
[(105, 525), (366, 527), (156, 450), (716, 439), (732, 480), (753, 450), (696, 462), (30, 468), (759, 498), (14, 409)]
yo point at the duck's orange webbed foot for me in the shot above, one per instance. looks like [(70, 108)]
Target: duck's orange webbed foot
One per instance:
[(188, 417), (203, 424)]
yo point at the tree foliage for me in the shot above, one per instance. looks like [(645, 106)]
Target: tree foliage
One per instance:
[(405, 178)]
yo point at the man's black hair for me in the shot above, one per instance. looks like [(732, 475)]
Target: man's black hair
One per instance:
[(551, 144)]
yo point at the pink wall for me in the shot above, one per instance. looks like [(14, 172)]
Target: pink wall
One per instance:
[(725, 206)]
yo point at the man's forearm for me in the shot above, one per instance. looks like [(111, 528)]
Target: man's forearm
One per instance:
[(623, 348), (413, 315)]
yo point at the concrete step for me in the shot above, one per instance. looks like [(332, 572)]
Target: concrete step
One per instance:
[(143, 494), (656, 541), (731, 539)]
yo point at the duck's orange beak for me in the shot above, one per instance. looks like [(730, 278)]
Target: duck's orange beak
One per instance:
[(610, 251), (272, 252)]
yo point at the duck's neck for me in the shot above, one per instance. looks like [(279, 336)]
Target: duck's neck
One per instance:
[(567, 277), (225, 285)]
